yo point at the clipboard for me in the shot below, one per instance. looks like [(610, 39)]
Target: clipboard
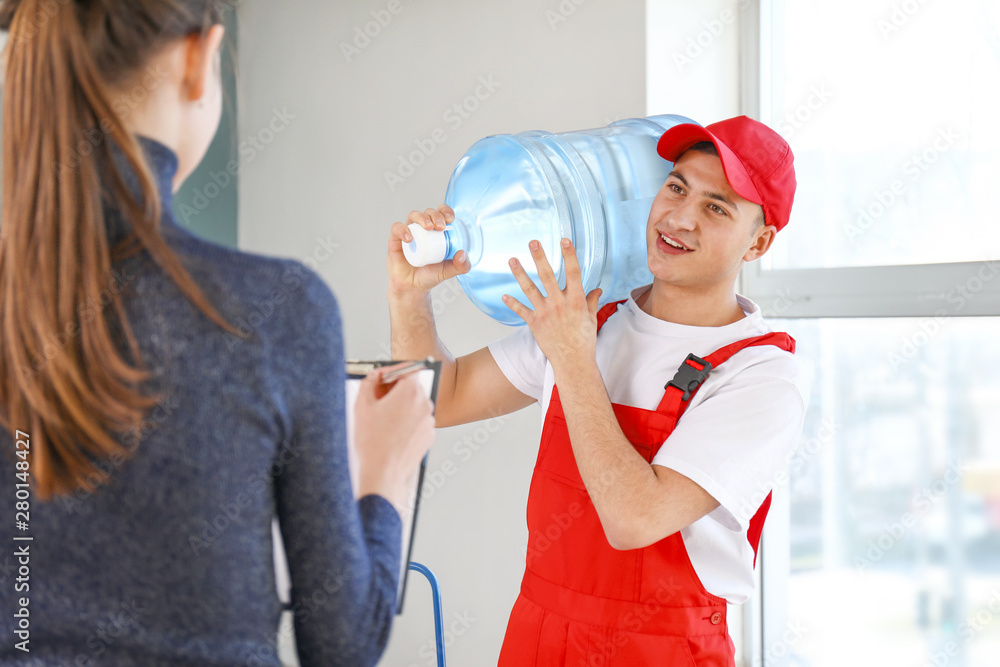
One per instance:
[(429, 373)]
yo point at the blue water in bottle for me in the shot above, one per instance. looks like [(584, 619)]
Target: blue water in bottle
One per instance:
[(593, 186)]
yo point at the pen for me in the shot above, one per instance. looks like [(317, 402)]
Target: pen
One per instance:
[(395, 374)]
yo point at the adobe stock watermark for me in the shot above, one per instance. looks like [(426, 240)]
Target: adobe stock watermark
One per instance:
[(967, 290), (292, 280), (123, 104), (105, 468), (778, 305), (463, 450), (46, 10), (900, 14), (929, 327), (543, 539), (266, 652), (562, 12), (922, 502), (307, 605), (258, 484), (637, 621), (795, 463), (363, 35), (912, 170), (971, 625), (226, 6), (441, 297), (778, 652), (113, 625), (699, 44), (796, 118), (250, 147), (910, 346), (86, 311), (460, 624), (453, 117)]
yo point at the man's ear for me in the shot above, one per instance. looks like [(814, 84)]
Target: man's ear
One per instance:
[(762, 240), (200, 61)]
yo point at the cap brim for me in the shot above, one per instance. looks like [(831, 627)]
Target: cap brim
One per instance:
[(679, 138)]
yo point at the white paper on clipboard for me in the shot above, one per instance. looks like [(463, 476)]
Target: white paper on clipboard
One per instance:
[(356, 370)]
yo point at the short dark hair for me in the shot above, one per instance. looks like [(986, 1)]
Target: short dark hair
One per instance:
[(703, 147), (709, 148)]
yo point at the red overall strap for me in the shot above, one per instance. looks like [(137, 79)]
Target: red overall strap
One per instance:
[(607, 311), (675, 401)]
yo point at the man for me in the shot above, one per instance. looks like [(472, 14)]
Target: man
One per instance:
[(642, 525)]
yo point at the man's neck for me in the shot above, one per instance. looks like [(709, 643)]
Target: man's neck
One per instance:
[(701, 308)]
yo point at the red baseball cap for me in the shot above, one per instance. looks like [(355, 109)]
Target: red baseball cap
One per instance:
[(756, 160)]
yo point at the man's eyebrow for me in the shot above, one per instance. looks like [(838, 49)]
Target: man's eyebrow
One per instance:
[(711, 195), (724, 199)]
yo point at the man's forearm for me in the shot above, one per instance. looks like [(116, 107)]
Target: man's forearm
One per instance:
[(414, 336), (618, 480), (414, 333)]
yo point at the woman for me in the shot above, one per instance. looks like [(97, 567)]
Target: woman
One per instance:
[(158, 441)]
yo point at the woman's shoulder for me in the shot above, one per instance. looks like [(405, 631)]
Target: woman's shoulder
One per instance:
[(276, 294), (249, 270)]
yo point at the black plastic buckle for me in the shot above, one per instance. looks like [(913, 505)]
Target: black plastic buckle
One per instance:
[(688, 378)]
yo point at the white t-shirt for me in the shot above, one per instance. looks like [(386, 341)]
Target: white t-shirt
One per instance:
[(734, 439)]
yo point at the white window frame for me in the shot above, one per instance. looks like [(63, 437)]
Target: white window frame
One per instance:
[(923, 290)]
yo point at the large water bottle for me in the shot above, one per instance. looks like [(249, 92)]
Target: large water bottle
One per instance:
[(595, 187)]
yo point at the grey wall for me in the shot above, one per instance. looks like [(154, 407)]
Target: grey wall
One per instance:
[(314, 188)]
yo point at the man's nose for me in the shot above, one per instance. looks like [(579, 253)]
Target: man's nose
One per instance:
[(682, 216)]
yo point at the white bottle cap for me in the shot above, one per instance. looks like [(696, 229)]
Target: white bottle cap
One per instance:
[(429, 246)]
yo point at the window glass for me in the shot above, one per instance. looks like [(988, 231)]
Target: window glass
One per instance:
[(891, 109), (895, 495)]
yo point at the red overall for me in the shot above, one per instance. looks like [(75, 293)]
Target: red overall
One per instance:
[(584, 603)]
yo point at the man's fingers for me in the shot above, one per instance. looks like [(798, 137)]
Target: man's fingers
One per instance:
[(431, 218), (458, 265), (519, 308), (421, 218), (529, 288), (448, 212), (436, 217), (545, 274), (593, 301), (398, 234), (574, 281)]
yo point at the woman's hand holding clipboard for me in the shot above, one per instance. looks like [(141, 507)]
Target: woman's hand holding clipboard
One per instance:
[(393, 427)]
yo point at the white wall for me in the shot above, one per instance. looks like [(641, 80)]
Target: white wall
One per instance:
[(693, 57), (320, 183)]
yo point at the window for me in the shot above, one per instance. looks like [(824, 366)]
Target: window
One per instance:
[(892, 109), (883, 546), (892, 528)]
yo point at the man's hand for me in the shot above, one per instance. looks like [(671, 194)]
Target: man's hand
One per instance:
[(564, 323), (406, 280)]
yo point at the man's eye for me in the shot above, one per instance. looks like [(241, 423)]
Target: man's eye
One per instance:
[(718, 209), (676, 188)]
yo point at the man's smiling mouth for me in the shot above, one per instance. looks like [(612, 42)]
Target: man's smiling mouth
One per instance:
[(676, 244)]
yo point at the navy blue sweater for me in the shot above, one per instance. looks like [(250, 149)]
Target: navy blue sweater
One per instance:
[(170, 562)]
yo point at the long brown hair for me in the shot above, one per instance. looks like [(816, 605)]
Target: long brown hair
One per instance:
[(63, 379)]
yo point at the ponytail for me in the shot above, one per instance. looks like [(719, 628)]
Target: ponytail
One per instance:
[(63, 378)]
